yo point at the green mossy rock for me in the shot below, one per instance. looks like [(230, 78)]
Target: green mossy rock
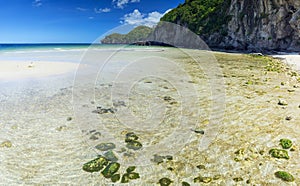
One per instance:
[(115, 178), (130, 169), (202, 179), (110, 170), (286, 143), (133, 175), (185, 183), (95, 165), (285, 176), (165, 182), (125, 178), (105, 146), (238, 179), (278, 153), (131, 136), (134, 145)]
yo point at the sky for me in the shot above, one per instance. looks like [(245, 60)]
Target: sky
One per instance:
[(74, 21)]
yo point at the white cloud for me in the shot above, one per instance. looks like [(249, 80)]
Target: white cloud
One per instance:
[(91, 17), (122, 3), (37, 3), (137, 18), (81, 9), (102, 10)]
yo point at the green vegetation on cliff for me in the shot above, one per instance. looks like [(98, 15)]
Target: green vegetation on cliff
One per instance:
[(139, 33), (201, 16)]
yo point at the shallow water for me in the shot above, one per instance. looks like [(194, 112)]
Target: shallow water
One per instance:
[(162, 95)]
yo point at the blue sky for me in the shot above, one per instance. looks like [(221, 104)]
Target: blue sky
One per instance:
[(74, 21)]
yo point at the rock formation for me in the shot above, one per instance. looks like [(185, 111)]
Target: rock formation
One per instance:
[(254, 25)]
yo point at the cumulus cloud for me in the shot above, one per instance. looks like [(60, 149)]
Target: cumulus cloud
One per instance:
[(102, 10), (137, 18), (37, 3), (122, 3)]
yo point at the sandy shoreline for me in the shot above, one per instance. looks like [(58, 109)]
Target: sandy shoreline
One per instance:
[(15, 70)]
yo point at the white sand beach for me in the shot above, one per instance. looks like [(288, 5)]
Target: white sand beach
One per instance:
[(14, 70)]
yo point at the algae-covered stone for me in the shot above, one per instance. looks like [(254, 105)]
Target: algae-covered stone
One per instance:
[(202, 179), (125, 178), (165, 182), (238, 179), (278, 153), (131, 136), (130, 169), (134, 145), (201, 166), (169, 157), (110, 156), (105, 146), (115, 178), (185, 183), (95, 165), (110, 170), (6, 144), (133, 175), (286, 143), (285, 176)]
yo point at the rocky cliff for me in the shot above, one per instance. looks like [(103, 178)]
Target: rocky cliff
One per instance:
[(253, 25)]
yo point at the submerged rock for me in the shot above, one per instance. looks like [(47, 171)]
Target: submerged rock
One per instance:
[(165, 182), (130, 169), (105, 146), (7, 144), (110, 170), (95, 165), (282, 102), (134, 145), (131, 136), (115, 178), (278, 153), (285, 176), (133, 175), (101, 110), (125, 178), (158, 159), (95, 136), (286, 143), (202, 179), (110, 156), (185, 183), (238, 179), (288, 118)]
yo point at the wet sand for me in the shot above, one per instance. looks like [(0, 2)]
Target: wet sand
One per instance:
[(53, 133)]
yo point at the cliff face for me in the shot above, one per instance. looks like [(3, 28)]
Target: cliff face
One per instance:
[(253, 25)]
